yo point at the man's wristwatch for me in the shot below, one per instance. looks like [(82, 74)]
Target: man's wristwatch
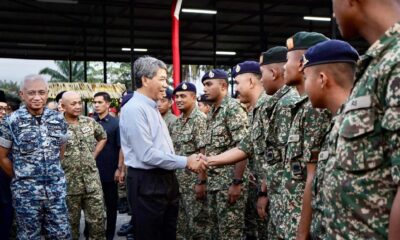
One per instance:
[(262, 194), (237, 181), (201, 182)]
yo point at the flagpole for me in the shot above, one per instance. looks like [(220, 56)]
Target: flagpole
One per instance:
[(176, 61)]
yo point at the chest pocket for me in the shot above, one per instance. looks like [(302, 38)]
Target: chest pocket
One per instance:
[(186, 144), (359, 146), (28, 142), (220, 137)]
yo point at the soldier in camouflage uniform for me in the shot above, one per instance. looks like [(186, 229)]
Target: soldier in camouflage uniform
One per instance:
[(303, 146), (164, 106), (328, 73), (251, 93), (188, 133), (34, 135), (362, 184), (86, 138), (278, 111), (226, 189)]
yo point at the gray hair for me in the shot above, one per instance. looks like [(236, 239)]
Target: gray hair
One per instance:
[(32, 78), (146, 66)]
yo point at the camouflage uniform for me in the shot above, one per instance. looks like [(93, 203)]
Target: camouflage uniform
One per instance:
[(328, 149), (169, 119), (38, 186), (303, 146), (276, 132), (362, 182), (254, 148), (227, 125), (83, 182), (188, 137)]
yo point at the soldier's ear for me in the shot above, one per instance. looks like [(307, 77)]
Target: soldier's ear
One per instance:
[(275, 74), (323, 80)]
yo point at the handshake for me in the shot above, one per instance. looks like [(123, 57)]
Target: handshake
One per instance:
[(197, 163)]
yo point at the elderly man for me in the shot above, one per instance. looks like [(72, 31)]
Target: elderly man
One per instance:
[(35, 136), (149, 154), (86, 138)]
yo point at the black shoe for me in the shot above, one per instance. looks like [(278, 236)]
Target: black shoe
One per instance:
[(130, 236), (125, 231)]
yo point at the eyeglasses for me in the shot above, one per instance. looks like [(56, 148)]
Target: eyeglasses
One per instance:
[(3, 109), (34, 93)]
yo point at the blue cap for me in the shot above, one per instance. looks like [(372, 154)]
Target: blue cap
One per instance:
[(215, 74), (185, 86), (246, 67), (332, 51), (202, 98), (168, 94), (126, 98)]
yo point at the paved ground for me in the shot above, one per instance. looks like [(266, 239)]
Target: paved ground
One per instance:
[(121, 219)]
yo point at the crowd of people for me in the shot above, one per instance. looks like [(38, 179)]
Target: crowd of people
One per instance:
[(308, 150)]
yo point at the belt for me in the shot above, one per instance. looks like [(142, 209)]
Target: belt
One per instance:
[(156, 171)]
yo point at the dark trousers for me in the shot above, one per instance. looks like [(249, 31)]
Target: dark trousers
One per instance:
[(154, 198), (110, 192), (6, 219)]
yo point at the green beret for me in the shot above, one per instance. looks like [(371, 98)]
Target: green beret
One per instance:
[(273, 55), (304, 40)]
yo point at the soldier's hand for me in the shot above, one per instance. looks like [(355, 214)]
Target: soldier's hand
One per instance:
[(234, 193), (200, 191), (262, 203), (195, 164), (117, 175), (121, 179)]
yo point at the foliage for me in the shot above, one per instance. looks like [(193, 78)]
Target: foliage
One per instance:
[(8, 86)]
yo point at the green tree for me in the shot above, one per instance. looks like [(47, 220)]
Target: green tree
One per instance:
[(62, 73), (9, 86)]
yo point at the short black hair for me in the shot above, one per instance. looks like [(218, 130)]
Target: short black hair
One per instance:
[(105, 96)]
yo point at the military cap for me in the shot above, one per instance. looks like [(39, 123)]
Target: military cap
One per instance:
[(304, 40), (274, 55), (215, 74), (185, 86), (168, 94), (2, 96), (202, 98), (59, 96), (246, 67), (332, 51)]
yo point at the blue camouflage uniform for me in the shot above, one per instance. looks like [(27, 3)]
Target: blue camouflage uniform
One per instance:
[(38, 187)]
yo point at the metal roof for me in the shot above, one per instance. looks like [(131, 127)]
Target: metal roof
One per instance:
[(98, 30)]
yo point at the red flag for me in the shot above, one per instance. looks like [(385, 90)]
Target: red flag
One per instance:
[(176, 58)]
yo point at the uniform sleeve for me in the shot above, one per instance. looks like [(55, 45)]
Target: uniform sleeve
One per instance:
[(200, 132), (6, 138), (99, 132), (391, 123), (315, 125), (245, 144), (237, 123), (64, 130)]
